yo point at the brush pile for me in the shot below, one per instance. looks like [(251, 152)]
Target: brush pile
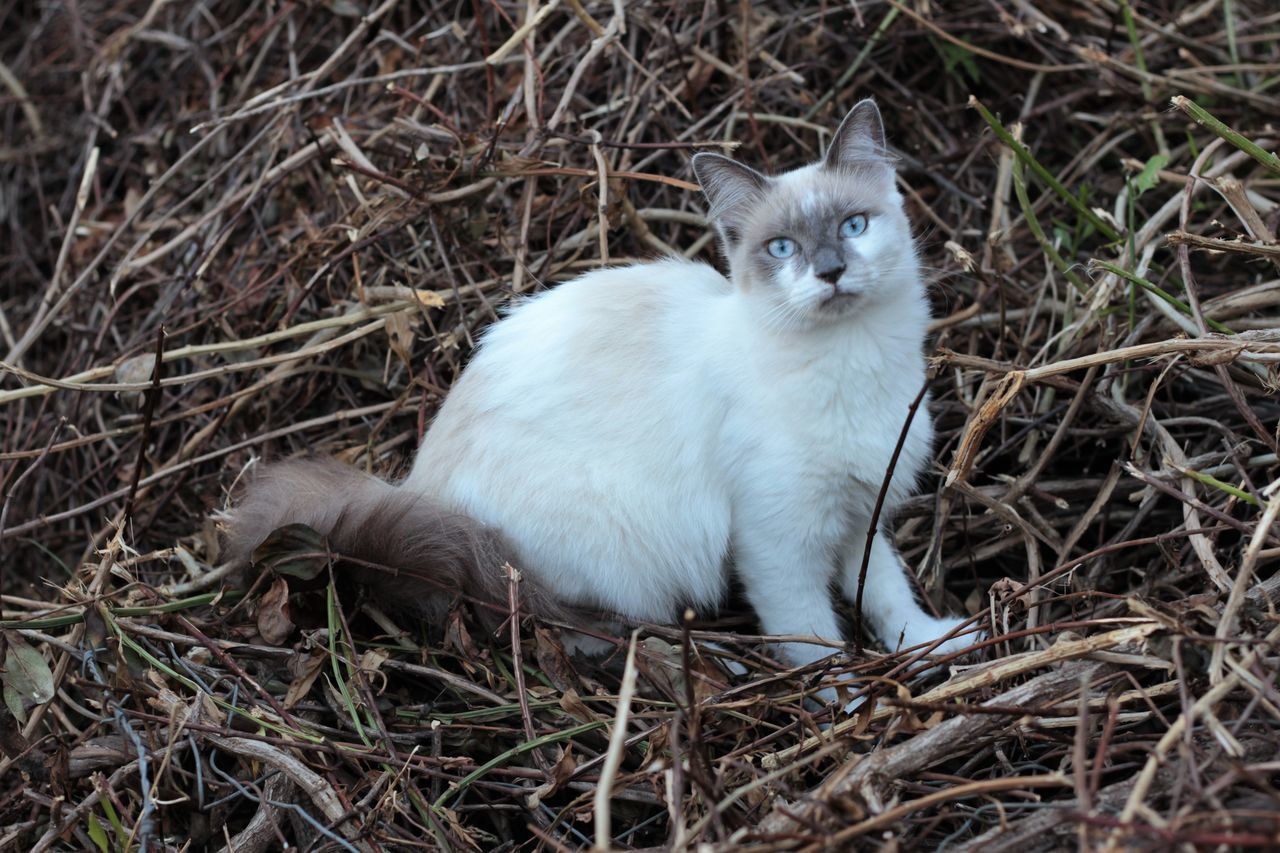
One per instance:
[(238, 231)]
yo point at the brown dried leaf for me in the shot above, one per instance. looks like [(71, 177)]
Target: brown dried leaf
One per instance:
[(305, 669), (373, 659), (95, 626), (371, 662), (571, 703), (274, 623), (664, 668), (559, 774), (130, 672), (400, 337), (458, 637), (553, 660)]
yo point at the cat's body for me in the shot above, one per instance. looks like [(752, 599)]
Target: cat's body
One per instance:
[(638, 433)]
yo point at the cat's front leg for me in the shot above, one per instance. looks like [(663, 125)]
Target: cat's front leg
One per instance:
[(889, 603), (788, 584)]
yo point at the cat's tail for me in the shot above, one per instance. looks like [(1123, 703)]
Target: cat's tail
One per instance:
[(406, 547)]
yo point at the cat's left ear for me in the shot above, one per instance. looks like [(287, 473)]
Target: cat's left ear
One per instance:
[(859, 139), (731, 189)]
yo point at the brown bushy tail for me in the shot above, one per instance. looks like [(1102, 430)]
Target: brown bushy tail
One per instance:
[(411, 551)]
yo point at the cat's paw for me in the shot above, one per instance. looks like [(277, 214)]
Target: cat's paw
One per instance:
[(924, 630)]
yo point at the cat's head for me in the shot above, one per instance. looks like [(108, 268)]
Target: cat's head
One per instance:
[(820, 242)]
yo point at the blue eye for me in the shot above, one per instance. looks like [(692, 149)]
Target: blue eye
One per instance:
[(853, 226), (781, 247)]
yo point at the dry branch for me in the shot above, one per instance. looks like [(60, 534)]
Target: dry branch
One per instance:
[(324, 205)]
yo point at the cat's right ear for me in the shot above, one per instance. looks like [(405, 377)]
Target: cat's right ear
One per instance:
[(731, 190), (859, 139)]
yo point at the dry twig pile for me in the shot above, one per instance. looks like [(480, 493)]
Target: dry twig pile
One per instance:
[(241, 230)]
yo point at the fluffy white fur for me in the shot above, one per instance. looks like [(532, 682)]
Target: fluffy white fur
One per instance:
[(638, 433)]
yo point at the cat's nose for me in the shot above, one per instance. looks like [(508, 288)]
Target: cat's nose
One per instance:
[(831, 275)]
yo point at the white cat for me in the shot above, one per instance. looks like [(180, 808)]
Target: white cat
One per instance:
[(629, 438)]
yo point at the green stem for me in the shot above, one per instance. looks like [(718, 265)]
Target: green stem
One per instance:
[(1020, 189), (1141, 61), (889, 18), (338, 637), (1156, 290), (1024, 154), (499, 760), (1206, 119), (73, 618), (1210, 480)]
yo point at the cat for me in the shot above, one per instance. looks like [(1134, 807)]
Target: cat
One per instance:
[(629, 438)]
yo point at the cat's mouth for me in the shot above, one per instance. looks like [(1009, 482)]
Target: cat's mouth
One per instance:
[(839, 298)]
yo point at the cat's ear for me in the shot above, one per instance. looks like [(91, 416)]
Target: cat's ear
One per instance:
[(859, 139), (731, 189)]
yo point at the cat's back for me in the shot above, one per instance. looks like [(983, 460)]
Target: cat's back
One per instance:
[(636, 301), (587, 415), (599, 355)]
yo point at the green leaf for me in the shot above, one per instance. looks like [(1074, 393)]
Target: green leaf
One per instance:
[(1062, 236), (14, 703), (294, 550), (112, 818), (98, 833), (953, 56), (1150, 172), (28, 681)]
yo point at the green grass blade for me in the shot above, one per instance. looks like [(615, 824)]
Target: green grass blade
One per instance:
[(1160, 292), (1024, 155), (1046, 245)]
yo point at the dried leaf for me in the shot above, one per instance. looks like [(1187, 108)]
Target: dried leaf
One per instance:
[(553, 660), (664, 668), (345, 9), (373, 659), (274, 623), (12, 743), (305, 669), (559, 774), (428, 298), (130, 671), (295, 550), (210, 711), (456, 636), (95, 627), (371, 662), (399, 328), (136, 370), (571, 703)]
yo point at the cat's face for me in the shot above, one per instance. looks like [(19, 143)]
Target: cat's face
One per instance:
[(818, 243)]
